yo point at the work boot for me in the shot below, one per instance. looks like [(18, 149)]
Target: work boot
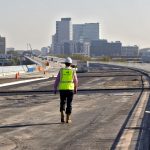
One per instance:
[(68, 120), (62, 116)]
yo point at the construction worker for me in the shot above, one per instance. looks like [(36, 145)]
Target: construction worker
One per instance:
[(67, 83)]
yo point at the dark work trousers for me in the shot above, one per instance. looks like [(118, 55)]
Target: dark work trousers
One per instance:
[(66, 96)]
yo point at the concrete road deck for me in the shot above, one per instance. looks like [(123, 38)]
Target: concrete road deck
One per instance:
[(32, 122)]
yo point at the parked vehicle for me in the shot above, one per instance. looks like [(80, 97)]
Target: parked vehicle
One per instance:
[(82, 66)]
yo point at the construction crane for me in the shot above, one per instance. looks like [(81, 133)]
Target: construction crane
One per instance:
[(30, 48)]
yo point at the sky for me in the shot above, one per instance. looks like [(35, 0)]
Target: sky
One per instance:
[(34, 21)]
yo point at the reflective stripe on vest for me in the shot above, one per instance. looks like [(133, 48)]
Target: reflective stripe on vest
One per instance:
[(66, 79)]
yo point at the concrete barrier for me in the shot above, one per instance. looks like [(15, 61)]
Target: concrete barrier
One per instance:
[(12, 70)]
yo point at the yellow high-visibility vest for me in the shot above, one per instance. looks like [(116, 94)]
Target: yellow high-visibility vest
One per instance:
[(66, 79)]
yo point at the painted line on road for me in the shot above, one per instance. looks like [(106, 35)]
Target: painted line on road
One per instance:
[(20, 82)]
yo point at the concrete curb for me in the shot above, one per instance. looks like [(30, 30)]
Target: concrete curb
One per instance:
[(129, 138)]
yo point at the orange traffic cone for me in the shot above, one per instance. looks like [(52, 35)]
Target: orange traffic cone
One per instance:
[(17, 76)]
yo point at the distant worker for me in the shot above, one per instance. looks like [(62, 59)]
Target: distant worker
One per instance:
[(67, 83)]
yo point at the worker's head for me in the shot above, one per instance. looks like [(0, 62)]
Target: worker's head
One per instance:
[(68, 61)]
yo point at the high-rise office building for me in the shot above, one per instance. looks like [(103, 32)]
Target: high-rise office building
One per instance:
[(86, 32), (105, 48), (130, 51), (2, 45), (63, 34), (63, 30), (73, 47)]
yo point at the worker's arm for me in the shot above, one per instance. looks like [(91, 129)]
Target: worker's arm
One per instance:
[(57, 80), (75, 83)]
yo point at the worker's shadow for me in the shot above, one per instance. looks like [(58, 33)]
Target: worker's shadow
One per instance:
[(18, 125)]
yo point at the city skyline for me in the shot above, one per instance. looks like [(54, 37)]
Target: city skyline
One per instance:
[(33, 21)]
